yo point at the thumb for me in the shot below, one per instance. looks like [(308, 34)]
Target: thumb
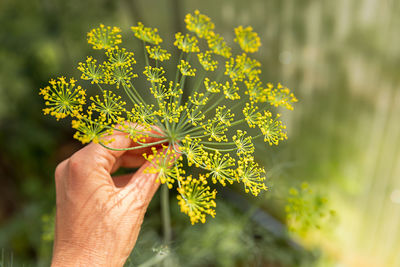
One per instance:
[(144, 181), (96, 158), (142, 186)]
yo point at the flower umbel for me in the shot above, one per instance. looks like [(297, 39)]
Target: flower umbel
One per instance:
[(193, 113), (146, 34), (196, 199), (199, 24), (247, 39), (63, 98), (104, 37)]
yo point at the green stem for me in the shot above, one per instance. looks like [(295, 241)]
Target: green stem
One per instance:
[(197, 128), (197, 86), (237, 104), (200, 136), (145, 54), (131, 96), (137, 93), (214, 105), (154, 260), (177, 70), (101, 88), (237, 122), (220, 150), (218, 144), (166, 218), (133, 148)]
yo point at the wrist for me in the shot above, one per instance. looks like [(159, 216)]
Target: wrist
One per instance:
[(81, 256)]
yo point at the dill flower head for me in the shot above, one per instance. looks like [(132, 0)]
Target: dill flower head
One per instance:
[(157, 53), (63, 98), (247, 39), (217, 44), (199, 24), (186, 43), (104, 37), (199, 110), (146, 34), (196, 199)]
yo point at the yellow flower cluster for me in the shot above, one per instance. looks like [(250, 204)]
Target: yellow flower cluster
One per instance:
[(88, 130), (206, 61), (116, 70), (198, 130), (247, 39), (186, 69), (63, 98), (199, 24), (104, 37), (157, 53), (186, 43), (146, 34), (196, 199)]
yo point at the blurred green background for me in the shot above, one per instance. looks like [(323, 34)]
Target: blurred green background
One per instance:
[(341, 58)]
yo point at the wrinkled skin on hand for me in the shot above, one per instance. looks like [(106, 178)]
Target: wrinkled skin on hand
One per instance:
[(99, 216)]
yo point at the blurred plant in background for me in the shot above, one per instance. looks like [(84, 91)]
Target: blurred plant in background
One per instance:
[(307, 211), (343, 137)]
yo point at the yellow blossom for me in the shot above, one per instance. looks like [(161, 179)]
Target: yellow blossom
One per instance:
[(206, 61), (217, 44), (157, 53), (186, 69), (88, 129), (281, 96), (146, 34), (63, 98), (155, 75), (272, 129), (251, 175), (92, 71), (199, 24), (104, 37), (163, 164), (186, 43), (195, 198), (247, 39)]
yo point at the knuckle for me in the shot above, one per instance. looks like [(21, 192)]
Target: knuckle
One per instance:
[(60, 170), (74, 163)]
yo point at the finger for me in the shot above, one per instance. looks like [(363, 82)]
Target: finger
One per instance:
[(122, 180), (133, 159), (141, 186), (95, 157), (128, 161), (144, 180)]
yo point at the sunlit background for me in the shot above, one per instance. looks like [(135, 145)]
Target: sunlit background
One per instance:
[(334, 196)]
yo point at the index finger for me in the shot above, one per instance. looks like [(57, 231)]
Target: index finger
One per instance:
[(97, 157)]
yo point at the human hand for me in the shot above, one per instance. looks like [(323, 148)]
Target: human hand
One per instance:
[(98, 216)]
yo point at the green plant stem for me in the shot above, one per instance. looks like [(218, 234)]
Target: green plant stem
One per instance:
[(227, 143), (137, 93), (166, 218), (237, 122), (154, 260), (177, 70), (146, 58), (214, 105), (130, 95), (99, 86), (133, 148), (219, 149), (197, 86)]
